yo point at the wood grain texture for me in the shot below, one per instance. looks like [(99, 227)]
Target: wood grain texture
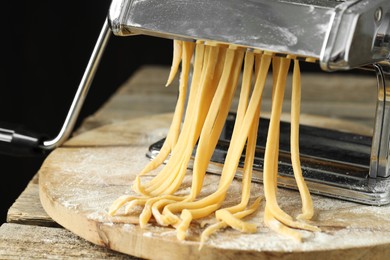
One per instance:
[(79, 181), (36, 242), (28, 210), (143, 94), (347, 98)]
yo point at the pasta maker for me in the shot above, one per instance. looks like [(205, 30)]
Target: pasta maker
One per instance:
[(335, 34)]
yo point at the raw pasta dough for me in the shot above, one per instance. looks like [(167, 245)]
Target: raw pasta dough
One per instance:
[(215, 76)]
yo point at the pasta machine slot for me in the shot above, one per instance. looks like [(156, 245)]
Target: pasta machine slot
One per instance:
[(334, 164)]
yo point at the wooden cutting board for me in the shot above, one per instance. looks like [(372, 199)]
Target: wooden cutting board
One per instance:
[(79, 181)]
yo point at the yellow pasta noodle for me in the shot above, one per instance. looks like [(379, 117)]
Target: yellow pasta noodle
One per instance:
[(177, 55), (307, 208), (215, 76)]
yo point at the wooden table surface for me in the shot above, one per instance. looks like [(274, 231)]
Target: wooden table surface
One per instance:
[(31, 233)]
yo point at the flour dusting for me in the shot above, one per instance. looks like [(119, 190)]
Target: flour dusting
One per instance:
[(87, 181)]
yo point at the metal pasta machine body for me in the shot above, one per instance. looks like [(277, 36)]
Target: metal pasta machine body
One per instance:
[(337, 34)]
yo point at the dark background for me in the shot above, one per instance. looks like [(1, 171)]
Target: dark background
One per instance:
[(46, 46), (45, 49)]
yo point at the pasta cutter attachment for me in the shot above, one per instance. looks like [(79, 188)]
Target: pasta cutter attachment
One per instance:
[(339, 35)]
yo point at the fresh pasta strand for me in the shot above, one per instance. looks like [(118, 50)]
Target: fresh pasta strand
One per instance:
[(151, 206), (119, 202), (280, 228), (174, 179), (230, 216), (177, 53), (188, 134), (174, 129), (203, 113), (216, 71), (222, 224), (213, 126), (233, 154), (307, 203), (196, 123), (211, 119), (232, 62), (273, 211), (168, 145)]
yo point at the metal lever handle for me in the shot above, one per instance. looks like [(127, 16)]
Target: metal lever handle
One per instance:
[(82, 90), (12, 142), (19, 142)]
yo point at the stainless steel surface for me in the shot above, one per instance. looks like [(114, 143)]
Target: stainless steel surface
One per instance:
[(379, 165), (82, 90), (334, 164), (359, 35), (341, 35), (6, 135), (279, 26)]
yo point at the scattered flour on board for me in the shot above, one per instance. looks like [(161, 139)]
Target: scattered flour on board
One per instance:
[(94, 192)]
